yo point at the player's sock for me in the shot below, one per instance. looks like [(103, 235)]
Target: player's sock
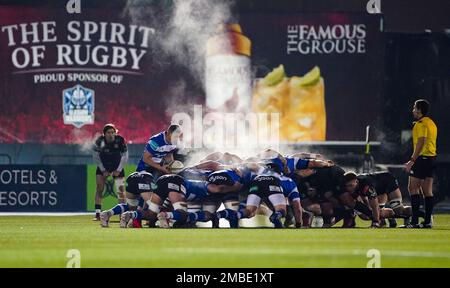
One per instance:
[(98, 209), (339, 214), (197, 216), (428, 209), (360, 207), (119, 209), (415, 205), (176, 215), (222, 214), (421, 214), (275, 218), (141, 202), (192, 217), (232, 216), (326, 219), (136, 215)]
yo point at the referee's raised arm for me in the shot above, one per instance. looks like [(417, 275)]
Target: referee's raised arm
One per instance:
[(421, 165)]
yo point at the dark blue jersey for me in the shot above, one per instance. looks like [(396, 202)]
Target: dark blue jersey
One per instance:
[(224, 177), (195, 190), (288, 185)]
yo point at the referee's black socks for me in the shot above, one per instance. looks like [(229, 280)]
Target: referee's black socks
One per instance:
[(428, 209), (415, 206)]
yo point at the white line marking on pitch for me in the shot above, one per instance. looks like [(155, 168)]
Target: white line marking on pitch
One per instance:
[(399, 253)]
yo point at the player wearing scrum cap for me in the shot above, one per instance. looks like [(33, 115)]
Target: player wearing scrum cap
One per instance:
[(110, 154)]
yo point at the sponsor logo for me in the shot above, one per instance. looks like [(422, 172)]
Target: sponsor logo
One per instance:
[(173, 187), (78, 106)]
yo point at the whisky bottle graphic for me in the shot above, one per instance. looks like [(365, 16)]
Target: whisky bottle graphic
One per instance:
[(228, 79)]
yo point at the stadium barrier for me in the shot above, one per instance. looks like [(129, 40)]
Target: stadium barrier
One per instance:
[(42, 188), (7, 157)]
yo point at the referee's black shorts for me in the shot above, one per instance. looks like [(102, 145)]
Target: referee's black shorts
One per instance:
[(423, 167)]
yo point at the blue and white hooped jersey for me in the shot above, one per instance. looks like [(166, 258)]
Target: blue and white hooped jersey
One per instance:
[(296, 163), (158, 147), (195, 190), (290, 189)]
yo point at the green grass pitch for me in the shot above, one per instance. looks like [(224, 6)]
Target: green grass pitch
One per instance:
[(44, 241)]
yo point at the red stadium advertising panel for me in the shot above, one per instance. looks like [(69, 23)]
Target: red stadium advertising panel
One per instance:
[(63, 77)]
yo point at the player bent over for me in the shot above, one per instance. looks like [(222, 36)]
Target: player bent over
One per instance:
[(263, 187), (385, 186), (110, 154), (138, 186), (222, 186), (169, 187)]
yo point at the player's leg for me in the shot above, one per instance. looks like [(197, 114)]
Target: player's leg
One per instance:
[(253, 202), (120, 187), (209, 209), (278, 202), (325, 209), (348, 201), (312, 209), (231, 201), (289, 219), (195, 213), (414, 186), (382, 199), (427, 188), (248, 211), (388, 213), (179, 213), (396, 203), (153, 203), (99, 187), (132, 201)]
